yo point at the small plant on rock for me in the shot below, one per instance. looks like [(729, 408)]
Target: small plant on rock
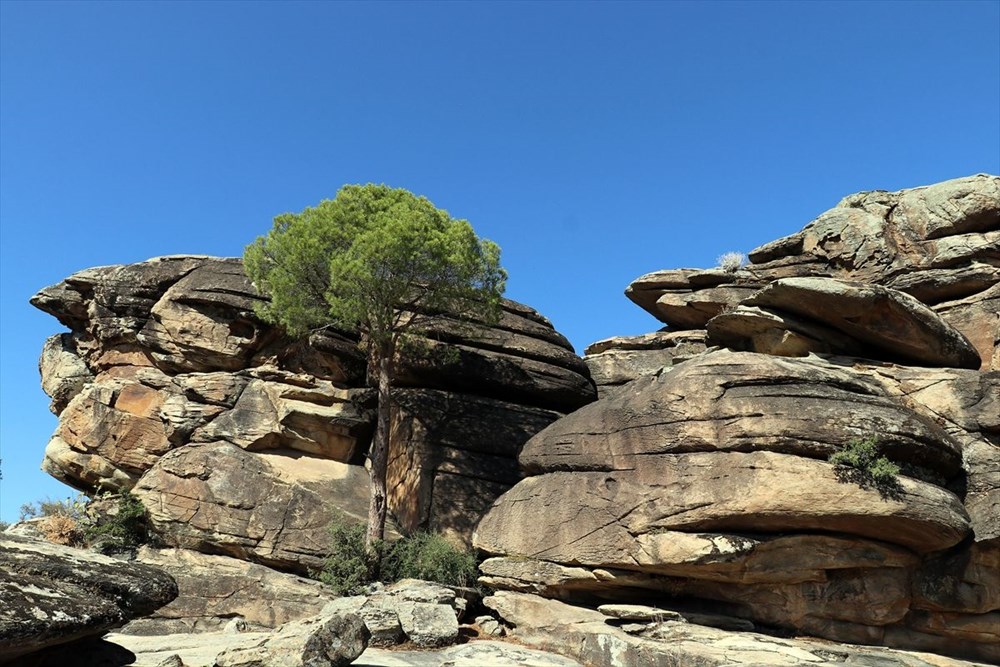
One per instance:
[(731, 261), (347, 567), (121, 530), (862, 461), (432, 558), (73, 508)]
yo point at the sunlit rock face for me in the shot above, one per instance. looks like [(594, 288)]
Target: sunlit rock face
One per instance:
[(700, 480), (242, 441)]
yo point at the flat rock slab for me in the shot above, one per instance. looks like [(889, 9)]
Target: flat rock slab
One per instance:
[(213, 590), (891, 321), (473, 654), (53, 594), (585, 635), (200, 650), (741, 401), (600, 518)]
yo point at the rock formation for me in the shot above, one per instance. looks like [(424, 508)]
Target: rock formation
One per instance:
[(53, 594), (244, 442), (700, 480), (695, 499)]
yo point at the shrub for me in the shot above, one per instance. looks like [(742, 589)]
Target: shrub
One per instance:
[(61, 529), (863, 456), (73, 508), (346, 567), (420, 556), (430, 557), (732, 261), (121, 530)]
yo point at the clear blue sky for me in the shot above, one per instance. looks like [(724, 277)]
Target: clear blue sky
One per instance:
[(593, 141)]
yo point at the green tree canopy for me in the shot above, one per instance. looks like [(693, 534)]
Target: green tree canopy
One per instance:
[(378, 260), (370, 259)]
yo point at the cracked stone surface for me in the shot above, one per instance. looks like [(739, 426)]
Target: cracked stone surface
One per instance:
[(53, 594)]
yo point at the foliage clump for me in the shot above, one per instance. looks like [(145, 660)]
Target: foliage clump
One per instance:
[(419, 556), (862, 461), (77, 522), (121, 530), (430, 557), (731, 261), (346, 568)]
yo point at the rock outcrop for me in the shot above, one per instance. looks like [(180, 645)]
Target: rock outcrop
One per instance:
[(214, 590), (695, 505), (54, 594), (242, 441), (700, 480)]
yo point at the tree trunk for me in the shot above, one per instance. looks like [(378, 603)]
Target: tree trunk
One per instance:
[(379, 455)]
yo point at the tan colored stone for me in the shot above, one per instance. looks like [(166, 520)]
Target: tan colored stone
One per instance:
[(977, 317), (617, 361), (726, 401), (214, 589), (596, 517), (64, 373), (893, 323), (269, 508)]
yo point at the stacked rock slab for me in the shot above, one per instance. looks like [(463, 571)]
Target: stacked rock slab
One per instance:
[(702, 483), (241, 441)]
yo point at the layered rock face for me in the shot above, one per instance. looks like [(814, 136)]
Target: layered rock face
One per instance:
[(243, 442), (701, 481)]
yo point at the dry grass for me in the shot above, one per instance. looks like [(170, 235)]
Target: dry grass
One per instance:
[(61, 529)]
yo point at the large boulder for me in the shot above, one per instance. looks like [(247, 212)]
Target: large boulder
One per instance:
[(213, 590), (892, 321), (741, 402), (54, 594), (269, 508)]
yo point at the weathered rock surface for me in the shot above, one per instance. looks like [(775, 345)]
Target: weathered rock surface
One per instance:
[(719, 401), (322, 641), (53, 594), (940, 244), (617, 361), (598, 640), (891, 321), (451, 455), (214, 590), (269, 508), (167, 358)]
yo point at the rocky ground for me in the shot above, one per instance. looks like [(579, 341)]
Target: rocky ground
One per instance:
[(667, 500)]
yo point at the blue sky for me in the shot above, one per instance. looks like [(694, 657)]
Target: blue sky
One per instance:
[(593, 141)]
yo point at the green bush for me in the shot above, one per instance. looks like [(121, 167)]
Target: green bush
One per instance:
[(346, 568), (430, 557), (864, 458), (420, 556), (120, 531)]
